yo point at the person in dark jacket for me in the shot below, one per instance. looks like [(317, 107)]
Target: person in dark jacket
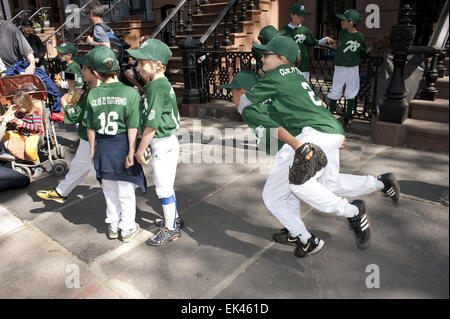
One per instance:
[(34, 41)]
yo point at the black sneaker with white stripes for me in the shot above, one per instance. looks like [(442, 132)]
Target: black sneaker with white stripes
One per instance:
[(391, 186), (313, 246), (284, 237), (360, 225)]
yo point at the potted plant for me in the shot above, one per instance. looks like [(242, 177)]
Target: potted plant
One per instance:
[(45, 19), (37, 28)]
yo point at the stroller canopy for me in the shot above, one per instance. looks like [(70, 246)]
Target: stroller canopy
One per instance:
[(28, 83)]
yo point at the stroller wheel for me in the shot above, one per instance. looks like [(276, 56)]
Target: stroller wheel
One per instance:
[(59, 168)]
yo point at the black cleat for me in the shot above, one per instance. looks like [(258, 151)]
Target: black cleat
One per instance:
[(347, 123), (284, 237), (162, 222), (313, 246), (360, 225), (391, 186)]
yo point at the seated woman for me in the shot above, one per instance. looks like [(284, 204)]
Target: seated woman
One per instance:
[(24, 129)]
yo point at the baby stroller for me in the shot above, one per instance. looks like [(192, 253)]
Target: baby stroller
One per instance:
[(50, 152)]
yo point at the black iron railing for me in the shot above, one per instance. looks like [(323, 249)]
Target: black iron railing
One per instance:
[(218, 68)]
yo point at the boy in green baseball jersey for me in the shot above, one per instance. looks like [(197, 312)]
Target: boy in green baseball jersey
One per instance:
[(294, 106), (112, 119), (81, 164), (66, 53), (160, 122), (347, 58), (303, 36)]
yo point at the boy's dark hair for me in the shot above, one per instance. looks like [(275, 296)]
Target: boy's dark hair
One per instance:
[(107, 75), (96, 9)]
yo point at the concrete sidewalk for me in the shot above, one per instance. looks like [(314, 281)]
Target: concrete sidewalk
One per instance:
[(226, 250)]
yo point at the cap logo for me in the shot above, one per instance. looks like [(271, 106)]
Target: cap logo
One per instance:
[(108, 62), (346, 12), (143, 45), (302, 8), (63, 45)]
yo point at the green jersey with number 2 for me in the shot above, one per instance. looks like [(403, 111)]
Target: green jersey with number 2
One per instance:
[(160, 108), (294, 101), (112, 108)]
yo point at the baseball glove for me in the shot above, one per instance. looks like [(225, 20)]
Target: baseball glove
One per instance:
[(303, 169)]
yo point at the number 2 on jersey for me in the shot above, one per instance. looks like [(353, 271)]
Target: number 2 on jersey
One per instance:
[(311, 94), (108, 124)]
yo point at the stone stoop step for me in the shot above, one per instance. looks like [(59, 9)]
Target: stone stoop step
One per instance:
[(427, 135), (442, 87), (435, 111)]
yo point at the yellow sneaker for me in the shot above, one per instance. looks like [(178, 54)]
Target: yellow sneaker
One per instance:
[(51, 194)]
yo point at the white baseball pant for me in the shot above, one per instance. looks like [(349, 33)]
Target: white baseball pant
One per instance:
[(80, 166), (165, 153), (348, 76), (120, 203), (323, 192)]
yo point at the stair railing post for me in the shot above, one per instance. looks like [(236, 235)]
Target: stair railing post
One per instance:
[(395, 108), (226, 41), (197, 7), (180, 21), (235, 19), (243, 11), (430, 92), (189, 30), (191, 70), (251, 5)]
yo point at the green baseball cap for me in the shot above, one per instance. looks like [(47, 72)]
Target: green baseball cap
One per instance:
[(298, 9), (351, 15), (283, 46), (66, 47), (243, 80), (101, 59), (268, 33), (152, 49)]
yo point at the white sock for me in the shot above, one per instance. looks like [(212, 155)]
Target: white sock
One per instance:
[(351, 211), (380, 185), (304, 237), (169, 205)]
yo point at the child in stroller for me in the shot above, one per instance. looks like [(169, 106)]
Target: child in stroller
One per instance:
[(30, 135), (24, 129)]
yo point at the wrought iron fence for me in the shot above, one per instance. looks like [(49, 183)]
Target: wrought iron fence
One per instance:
[(53, 66), (218, 68)]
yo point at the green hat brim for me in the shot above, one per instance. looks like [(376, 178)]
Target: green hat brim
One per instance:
[(138, 55), (81, 60), (261, 47), (227, 86), (344, 17), (62, 50)]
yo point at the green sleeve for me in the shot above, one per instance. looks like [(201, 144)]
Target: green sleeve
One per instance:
[(73, 114), (311, 39), (264, 89), (155, 103), (75, 68), (88, 119), (134, 112), (363, 47), (257, 115)]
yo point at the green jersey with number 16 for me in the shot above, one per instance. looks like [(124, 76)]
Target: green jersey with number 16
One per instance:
[(294, 101), (112, 108)]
